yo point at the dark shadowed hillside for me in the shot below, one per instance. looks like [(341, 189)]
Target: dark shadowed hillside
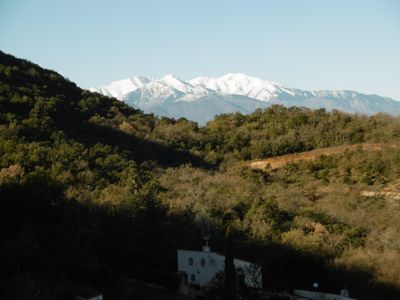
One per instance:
[(94, 192)]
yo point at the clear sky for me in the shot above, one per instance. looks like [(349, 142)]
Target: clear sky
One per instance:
[(307, 44)]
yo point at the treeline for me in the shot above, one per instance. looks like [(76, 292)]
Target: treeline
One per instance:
[(92, 190), (40, 102)]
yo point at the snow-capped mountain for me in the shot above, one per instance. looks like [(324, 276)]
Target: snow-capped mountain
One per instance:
[(118, 89), (241, 84), (202, 98)]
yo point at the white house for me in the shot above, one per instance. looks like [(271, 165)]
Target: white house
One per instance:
[(90, 297), (200, 267), (305, 295), (70, 290)]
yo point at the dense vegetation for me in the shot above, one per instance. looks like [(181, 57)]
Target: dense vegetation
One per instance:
[(92, 191)]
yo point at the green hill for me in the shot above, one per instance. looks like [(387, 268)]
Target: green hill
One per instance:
[(92, 191)]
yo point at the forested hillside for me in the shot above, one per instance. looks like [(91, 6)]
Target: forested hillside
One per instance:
[(92, 191)]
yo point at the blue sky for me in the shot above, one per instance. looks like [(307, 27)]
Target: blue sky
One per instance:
[(306, 44)]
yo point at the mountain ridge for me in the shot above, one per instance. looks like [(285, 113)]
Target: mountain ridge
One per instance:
[(226, 94)]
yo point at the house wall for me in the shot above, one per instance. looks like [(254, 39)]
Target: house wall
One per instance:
[(99, 297), (304, 294), (213, 263)]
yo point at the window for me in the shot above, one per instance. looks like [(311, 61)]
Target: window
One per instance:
[(190, 261), (192, 277), (203, 262)]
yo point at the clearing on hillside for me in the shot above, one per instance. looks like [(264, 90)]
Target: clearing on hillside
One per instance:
[(282, 160)]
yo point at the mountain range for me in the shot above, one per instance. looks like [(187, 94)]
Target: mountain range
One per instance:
[(202, 98)]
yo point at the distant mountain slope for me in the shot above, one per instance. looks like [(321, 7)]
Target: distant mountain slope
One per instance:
[(118, 89), (202, 98)]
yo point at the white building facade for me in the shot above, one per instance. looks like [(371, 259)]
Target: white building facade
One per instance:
[(200, 267), (96, 297), (305, 295)]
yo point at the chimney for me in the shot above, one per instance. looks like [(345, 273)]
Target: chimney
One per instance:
[(206, 248)]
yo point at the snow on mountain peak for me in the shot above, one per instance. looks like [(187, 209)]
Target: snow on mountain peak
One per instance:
[(173, 81), (202, 98), (170, 77), (118, 89), (192, 91), (157, 89), (240, 84), (238, 77), (228, 84)]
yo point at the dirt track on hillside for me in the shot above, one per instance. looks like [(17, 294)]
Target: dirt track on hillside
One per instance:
[(281, 161)]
